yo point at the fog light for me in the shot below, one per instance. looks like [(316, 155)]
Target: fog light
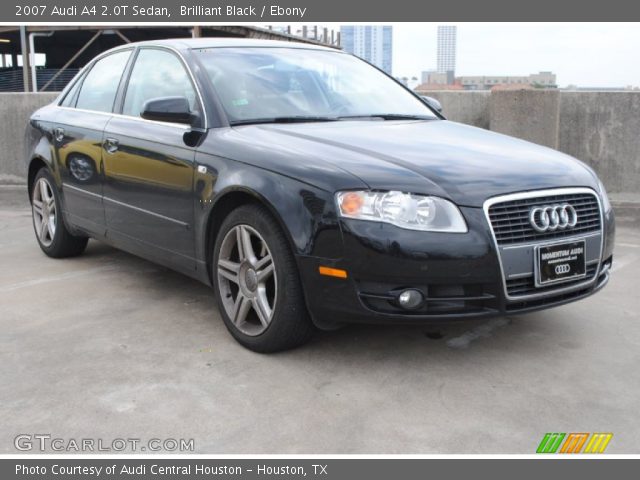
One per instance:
[(410, 299)]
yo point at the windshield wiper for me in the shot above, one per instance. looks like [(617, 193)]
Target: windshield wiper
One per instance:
[(317, 118), (293, 119), (388, 116)]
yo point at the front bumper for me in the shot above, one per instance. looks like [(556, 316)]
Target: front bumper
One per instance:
[(460, 275)]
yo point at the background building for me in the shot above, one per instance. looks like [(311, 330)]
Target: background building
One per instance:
[(487, 82), (426, 75), (435, 78), (372, 43), (440, 81), (446, 59)]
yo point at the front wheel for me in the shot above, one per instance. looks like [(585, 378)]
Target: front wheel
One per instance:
[(51, 232), (257, 284)]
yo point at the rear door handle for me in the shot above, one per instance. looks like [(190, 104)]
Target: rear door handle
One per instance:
[(111, 145), (58, 133)]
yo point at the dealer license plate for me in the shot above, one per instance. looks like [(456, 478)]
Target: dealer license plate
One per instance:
[(560, 262)]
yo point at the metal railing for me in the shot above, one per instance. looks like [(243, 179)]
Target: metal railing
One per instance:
[(11, 79)]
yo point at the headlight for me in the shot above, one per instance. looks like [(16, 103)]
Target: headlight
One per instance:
[(606, 205), (404, 210)]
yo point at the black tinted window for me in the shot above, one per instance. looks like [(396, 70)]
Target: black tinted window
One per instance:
[(99, 88), (157, 73)]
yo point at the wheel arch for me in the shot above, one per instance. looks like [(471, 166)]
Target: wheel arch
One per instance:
[(35, 165), (227, 201)]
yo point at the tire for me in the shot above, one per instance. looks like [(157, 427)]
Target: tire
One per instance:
[(46, 210), (256, 283)]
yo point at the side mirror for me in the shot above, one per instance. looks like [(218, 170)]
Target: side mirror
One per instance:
[(432, 102), (169, 109)]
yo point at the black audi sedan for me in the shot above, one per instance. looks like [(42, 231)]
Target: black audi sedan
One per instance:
[(310, 190)]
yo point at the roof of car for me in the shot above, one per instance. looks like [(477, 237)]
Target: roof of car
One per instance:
[(200, 43)]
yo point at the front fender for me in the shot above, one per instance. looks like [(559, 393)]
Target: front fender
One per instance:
[(306, 213)]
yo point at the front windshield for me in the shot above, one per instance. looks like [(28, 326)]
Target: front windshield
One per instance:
[(269, 83)]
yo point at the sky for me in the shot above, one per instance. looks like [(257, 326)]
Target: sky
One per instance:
[(582, 54), (587, 55)]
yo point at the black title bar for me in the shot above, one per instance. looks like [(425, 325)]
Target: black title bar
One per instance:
[(247, 11), (315, 469)]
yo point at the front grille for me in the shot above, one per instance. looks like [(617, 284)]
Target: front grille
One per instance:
[(526, 285), (510, 219), (515, 307)]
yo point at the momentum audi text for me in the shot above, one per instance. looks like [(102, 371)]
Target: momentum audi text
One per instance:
[(309, 189)]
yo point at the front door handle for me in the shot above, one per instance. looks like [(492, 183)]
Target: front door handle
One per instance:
[(111, 145), (58, 133)]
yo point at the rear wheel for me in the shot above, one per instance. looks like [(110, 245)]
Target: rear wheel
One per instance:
[(257, 284), (51, 232)]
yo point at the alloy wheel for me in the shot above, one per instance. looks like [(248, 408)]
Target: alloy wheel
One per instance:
[(247, 280), (44, 211)]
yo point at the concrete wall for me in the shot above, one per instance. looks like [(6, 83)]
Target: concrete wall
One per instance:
[(603, 130), (471, 108), (529, 114), (15, 110), (600, 128)]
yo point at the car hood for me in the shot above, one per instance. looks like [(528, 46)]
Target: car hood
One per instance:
[(437, 157)]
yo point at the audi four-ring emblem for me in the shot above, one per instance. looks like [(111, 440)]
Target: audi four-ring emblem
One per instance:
[(563, 268), (553, 217)]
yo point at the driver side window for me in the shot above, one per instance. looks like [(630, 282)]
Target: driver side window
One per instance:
[(157, 73)]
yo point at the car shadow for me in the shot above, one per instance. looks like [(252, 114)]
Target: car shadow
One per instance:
[(450, 339)]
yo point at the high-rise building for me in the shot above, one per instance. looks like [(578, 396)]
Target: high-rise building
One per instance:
[(372, 43), (447, 49)]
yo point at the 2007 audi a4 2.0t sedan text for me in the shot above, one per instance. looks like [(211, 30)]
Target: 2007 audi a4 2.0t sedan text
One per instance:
[(310, 190)]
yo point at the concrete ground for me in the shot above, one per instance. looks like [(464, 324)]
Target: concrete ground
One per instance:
[(111, 346)]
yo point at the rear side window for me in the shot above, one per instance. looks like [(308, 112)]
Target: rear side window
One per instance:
[(70, 97), (99, 88), (157, 73)]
